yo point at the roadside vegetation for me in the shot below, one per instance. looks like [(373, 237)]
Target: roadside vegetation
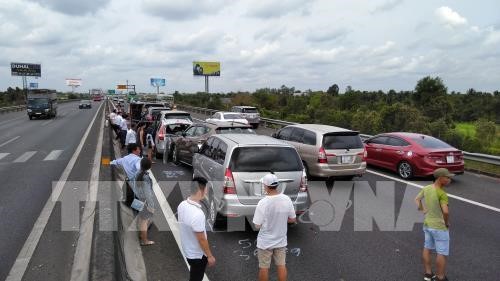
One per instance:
[(469, 121)]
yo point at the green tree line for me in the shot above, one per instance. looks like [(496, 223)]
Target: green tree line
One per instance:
[(428, 109)]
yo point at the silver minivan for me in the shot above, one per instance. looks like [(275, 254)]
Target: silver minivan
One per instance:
[(250, 113), (234, 165), (326, 151)]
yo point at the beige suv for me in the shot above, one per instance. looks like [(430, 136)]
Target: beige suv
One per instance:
[(326, 151)]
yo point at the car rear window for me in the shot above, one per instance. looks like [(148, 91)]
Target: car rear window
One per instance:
[(179, 116), (430, 142), (232, 116), (263, 159), (250, 110), (234, 130), (347, 140)]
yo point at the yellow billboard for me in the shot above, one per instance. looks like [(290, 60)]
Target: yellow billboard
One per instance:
[(206, 68)]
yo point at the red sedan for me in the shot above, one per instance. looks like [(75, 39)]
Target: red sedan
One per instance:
[(411, 154)]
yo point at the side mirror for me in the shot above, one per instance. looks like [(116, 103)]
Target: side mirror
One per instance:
[(274, 135)]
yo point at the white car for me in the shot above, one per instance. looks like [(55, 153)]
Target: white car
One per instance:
[(172, 122), (227, 117)]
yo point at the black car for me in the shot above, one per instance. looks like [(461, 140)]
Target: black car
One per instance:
[(85, 104)]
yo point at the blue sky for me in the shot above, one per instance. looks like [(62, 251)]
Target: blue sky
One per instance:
[(370, 45)]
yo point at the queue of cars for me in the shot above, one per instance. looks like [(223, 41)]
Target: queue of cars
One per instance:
[(234, 158)]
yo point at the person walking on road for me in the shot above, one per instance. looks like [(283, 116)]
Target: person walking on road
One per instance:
[(143, 189), (193, 232), (272, 215), (150, 141), (131, 164), (436, 224)]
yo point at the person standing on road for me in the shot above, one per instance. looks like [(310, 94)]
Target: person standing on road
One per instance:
[(436, 224), (112, 120), (143, 189), (123, 129), (150, 141), (193, 232), (272, 215), (131, 164), (131, 136), (140, 133)]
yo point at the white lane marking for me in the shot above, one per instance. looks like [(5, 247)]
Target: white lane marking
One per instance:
[(2, 155), (169, 216), (81, 262), (53, 155), (23, 258), (9, 141), (449, 195), (25, 157)]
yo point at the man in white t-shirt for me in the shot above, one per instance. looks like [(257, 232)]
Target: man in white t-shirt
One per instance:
[(272, 215), (193, 233)]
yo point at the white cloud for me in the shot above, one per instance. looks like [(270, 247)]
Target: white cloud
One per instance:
[(277, 8), (449, 17)]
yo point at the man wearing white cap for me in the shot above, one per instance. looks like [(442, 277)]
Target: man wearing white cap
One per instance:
[(272, 215)]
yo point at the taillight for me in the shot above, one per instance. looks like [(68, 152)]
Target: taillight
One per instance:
[(161, 133), (303, 182), (229, 186), (363, 155), (322, 156)]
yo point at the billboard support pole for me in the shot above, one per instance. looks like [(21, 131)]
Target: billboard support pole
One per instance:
[(206, 84), (25, 88)]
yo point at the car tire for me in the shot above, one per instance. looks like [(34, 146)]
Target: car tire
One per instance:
[(255, 126), (405, 170), (175, 156)]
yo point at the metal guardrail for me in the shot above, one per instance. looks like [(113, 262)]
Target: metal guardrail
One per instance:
[(23, 107), (484, 158)]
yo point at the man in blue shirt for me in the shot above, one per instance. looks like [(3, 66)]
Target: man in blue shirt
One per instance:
[(131, 164)]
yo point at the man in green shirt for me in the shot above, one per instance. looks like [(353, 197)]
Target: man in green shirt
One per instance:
[(436, 224)]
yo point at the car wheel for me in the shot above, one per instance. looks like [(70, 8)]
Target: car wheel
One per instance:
[(175, 157), (405, 170), (255, 126)]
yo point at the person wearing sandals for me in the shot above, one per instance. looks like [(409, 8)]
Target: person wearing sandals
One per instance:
[(143, 189)]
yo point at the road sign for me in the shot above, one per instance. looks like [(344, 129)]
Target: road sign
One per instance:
[(111, 92), (121, 87), (33, 85), (25, 69), (73, 82)]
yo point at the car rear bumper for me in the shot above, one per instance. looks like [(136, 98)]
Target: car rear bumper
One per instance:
[(231, 206), (328, 170), (428, 170)]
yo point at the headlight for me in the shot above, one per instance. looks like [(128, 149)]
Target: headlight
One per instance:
[(409, 153), (47, 110), (29, 110)]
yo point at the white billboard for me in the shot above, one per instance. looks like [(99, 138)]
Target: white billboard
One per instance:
[(73, 82)]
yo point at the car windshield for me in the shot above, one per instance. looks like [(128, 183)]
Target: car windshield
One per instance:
[(38, 102), (430, 142), (348, 140), (234, 130), (250, 110), (186, 116), (257, 159), (232, 116)]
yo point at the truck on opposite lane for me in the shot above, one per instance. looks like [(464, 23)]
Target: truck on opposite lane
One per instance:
[(41, 103)]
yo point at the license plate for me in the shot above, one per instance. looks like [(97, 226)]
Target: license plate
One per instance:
[(346, 159), (38, 113), (450, 159)]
